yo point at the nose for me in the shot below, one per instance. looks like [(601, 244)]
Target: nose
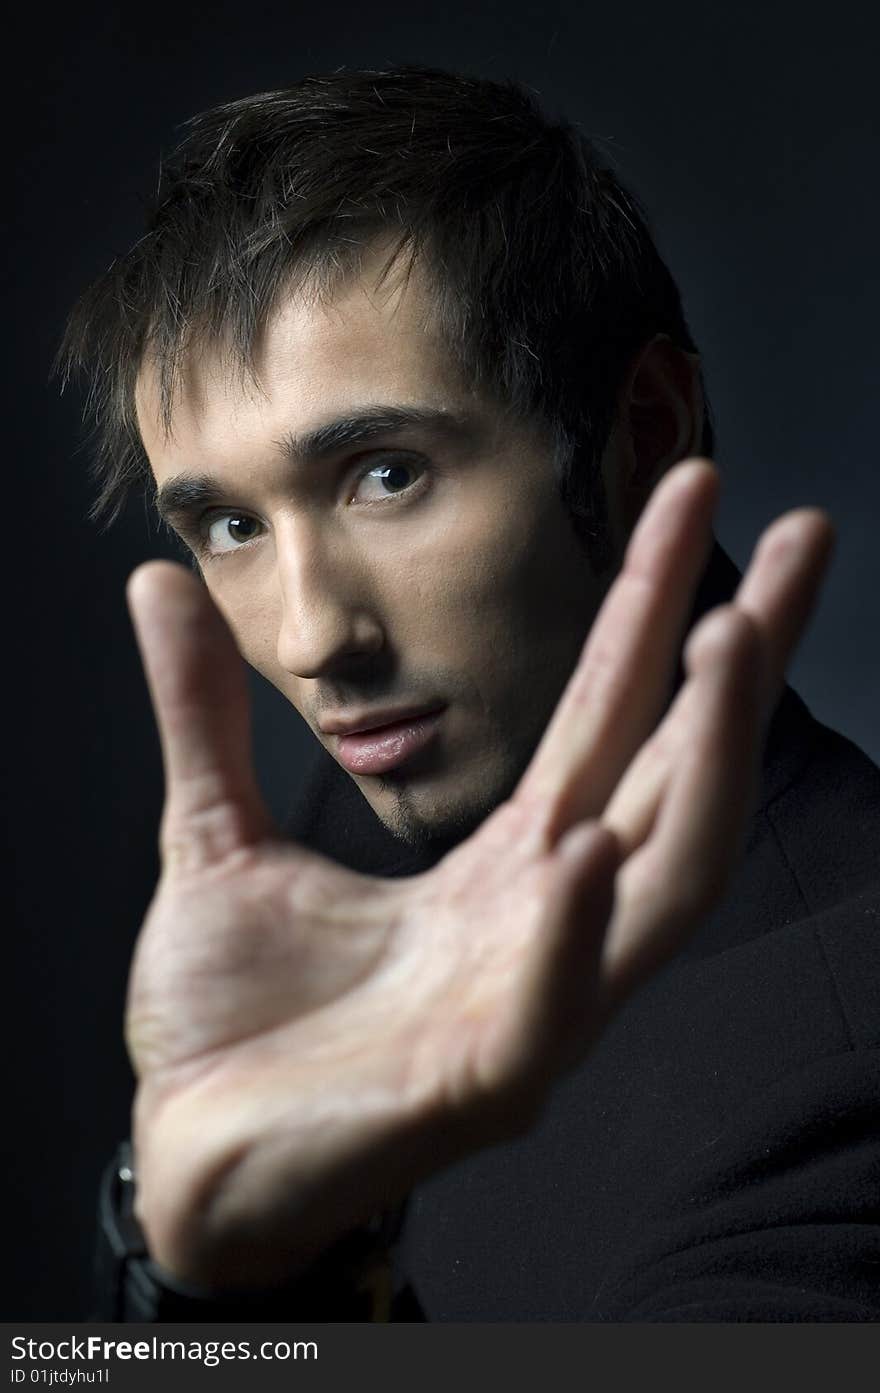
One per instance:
[(328, 619)]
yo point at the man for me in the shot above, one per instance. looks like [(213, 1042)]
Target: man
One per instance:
[(414, 389)]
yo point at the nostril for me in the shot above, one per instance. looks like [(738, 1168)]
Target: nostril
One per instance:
[(323, 649)]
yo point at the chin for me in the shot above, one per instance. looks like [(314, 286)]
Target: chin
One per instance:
[(420, 821)]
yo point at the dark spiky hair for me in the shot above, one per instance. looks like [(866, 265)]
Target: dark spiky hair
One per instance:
[(542, 271)]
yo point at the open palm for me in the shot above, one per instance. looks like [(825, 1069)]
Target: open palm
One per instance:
[(310, 1042)]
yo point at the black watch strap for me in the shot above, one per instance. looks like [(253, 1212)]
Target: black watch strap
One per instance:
[(351, 1282)]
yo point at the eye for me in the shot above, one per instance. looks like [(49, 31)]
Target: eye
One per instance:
[(389, 480), (225, 532)]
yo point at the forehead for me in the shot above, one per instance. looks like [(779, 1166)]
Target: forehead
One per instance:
[(316, 358)]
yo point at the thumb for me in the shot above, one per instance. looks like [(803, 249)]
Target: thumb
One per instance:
[(198, 688)]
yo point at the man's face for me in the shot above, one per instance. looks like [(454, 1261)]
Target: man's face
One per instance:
[(389, 548)]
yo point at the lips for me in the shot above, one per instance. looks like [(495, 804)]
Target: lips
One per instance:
[(380, 748)]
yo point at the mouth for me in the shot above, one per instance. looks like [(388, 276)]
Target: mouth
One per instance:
[(377, 749)]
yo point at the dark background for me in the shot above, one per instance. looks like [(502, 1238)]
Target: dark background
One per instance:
[(751, 135)]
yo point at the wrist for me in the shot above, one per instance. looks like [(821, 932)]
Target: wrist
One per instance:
[(351, 1280)]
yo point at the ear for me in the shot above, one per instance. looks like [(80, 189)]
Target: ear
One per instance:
[(659, 422)]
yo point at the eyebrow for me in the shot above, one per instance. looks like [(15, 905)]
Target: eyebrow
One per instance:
[(179, 499)]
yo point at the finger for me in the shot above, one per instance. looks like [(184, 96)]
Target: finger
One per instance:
[(778, 594), (548, 1020), (670, 882), (589, 857), (199, 693), (623, 679), (632, 808), (781, 586)]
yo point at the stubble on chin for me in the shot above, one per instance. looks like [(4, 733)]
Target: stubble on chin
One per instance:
[(441, 829), (411, 826)]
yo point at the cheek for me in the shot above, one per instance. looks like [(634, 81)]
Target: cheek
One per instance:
[(496, 573), (254, 624)]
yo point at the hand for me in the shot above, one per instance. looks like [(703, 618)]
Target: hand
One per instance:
[(308, 1042)]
